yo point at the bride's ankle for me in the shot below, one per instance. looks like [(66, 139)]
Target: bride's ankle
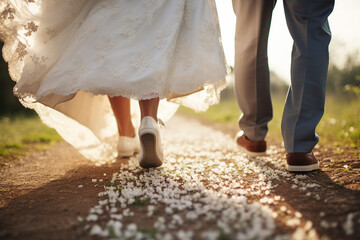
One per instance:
[(154, 117), (127, 132)]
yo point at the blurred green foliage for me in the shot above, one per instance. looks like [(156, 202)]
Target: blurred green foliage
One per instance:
[(19, 132), (9, 103), (345, 81)]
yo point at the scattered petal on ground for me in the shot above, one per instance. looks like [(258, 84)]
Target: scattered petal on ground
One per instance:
[(206, 189)]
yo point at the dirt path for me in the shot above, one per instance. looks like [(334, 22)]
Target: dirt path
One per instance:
[(205, 190)]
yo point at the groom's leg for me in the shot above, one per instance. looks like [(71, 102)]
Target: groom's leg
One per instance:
[(252, 88), (308, 25)]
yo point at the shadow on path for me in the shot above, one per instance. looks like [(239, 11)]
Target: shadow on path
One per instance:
[(325, 205), (51, 210)]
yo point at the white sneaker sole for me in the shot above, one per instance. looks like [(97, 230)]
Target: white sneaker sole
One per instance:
[(150, 157), (306, 168), (250, 154)]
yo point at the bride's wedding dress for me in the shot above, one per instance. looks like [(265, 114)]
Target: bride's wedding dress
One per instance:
[(67, 55)]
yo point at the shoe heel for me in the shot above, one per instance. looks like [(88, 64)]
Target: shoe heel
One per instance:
[(149, 158), (126, 154)]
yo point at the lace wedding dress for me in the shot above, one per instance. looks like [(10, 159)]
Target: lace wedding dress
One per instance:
[(67, 55)]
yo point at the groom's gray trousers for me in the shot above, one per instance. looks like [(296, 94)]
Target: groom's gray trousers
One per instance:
[(304, 107)]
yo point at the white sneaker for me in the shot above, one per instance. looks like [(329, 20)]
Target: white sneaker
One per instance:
[(128, 146), (151, 154)]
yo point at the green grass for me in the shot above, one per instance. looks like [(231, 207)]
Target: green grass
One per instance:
[(140, 202), (341, 122), (225, 112), (340, 125), (224, 236), (149, 232), (19, 134), (110, 184), (228, 112)]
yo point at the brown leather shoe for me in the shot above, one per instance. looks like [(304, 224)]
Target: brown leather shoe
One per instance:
[(301, 162), (251, 148)]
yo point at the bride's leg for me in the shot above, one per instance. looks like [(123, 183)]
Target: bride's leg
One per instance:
[(121, 108), (149, 107), (151, 154)]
